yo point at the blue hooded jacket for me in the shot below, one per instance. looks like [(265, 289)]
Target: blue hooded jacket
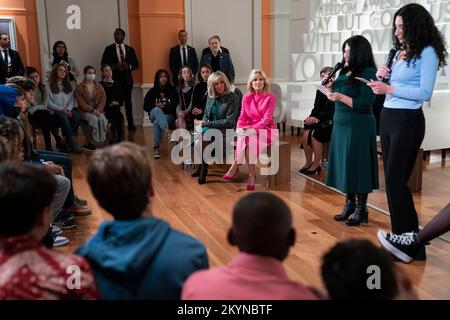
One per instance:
[(8, 97), (142, 259)]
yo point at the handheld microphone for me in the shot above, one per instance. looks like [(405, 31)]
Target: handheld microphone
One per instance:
[(389, 62), (336, 68)]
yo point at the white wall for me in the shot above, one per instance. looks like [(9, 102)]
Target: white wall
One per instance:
[(234, 21), (317, 29), (85, 45)]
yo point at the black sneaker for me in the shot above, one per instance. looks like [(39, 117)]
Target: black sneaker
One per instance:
[(405, 247), (156, 153)]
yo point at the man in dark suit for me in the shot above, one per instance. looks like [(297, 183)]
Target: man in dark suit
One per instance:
[(182, 55), (123, 60), (10, 62), (208, 49)]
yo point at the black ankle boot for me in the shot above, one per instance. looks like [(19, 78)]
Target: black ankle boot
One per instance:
[(60, 145), (196, 173), (48, 144), (349, 208), (361, 214), (203, 173)]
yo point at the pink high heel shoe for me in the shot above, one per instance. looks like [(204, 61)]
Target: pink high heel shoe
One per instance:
[(250, 187), (227, 177)]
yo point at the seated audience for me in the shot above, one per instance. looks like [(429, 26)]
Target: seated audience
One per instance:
[(218, 60), (220, 113), (357, 270), (39, 112), (318, 128), (91, 100), (161, 103), (185, 90), (262, 230), (29, 270), (61, 101), (135, 256), (114, 100), (66, 203), (13, 135), (199, 96)]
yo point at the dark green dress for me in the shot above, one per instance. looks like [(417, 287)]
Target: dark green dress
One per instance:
[(353, 163)]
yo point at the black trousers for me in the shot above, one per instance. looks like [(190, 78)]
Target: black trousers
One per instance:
[(402, 132), (128, 105)]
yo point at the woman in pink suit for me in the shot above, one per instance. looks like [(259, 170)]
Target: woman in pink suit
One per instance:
[(254, 127)]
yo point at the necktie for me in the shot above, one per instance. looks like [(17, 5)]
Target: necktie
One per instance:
[(184, 57), (7, 62), (122, 54)]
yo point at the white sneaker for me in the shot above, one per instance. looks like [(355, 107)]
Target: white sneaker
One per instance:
[(60, 241)]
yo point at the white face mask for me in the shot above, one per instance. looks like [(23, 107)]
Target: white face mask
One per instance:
[(90, 77)]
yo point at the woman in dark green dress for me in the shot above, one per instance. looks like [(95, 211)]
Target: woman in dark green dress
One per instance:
[(353, 163)]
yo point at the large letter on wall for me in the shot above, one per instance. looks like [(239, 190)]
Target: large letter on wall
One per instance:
[(74, 20)]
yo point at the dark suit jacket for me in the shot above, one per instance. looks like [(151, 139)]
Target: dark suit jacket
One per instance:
[(16, 65), (208, 50), (110, 57), (176, 63), (225, 63)]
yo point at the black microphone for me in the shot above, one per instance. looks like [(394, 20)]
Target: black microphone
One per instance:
[(389, 62), (336, 68)]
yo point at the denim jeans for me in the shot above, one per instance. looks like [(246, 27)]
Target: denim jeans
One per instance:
[(160, 122), (63, 160), (68, 125)]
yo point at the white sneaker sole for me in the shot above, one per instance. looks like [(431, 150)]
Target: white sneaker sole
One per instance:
[(396, 252)]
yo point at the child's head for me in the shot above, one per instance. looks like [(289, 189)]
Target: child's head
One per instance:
[(26, 192), (348, 267), (120, 179), (262, 225)]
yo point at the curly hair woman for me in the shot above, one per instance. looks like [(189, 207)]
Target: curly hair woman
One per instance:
[(420, 51)]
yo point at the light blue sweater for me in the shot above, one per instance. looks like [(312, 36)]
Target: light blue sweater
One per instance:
[(414, 83), (61, 100)]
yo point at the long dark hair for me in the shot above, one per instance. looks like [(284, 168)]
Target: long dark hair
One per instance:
[(157, 75), (419, 31), (361, 56), (207, 66), (67, 85)]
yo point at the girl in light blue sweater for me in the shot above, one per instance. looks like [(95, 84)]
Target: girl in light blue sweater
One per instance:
[(407, 82)]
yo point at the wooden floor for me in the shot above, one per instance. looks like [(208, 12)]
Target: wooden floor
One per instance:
[(205, 212)]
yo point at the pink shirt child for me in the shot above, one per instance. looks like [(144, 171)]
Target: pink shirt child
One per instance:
[(247, 277)]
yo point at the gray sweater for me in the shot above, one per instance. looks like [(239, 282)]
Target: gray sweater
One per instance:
[(61, 100), (40, 101)]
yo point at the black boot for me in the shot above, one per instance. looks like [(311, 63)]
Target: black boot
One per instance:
[(361, 214), (196, 173), (349, 208), (48, 142), (203, 173), (60, 145)]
